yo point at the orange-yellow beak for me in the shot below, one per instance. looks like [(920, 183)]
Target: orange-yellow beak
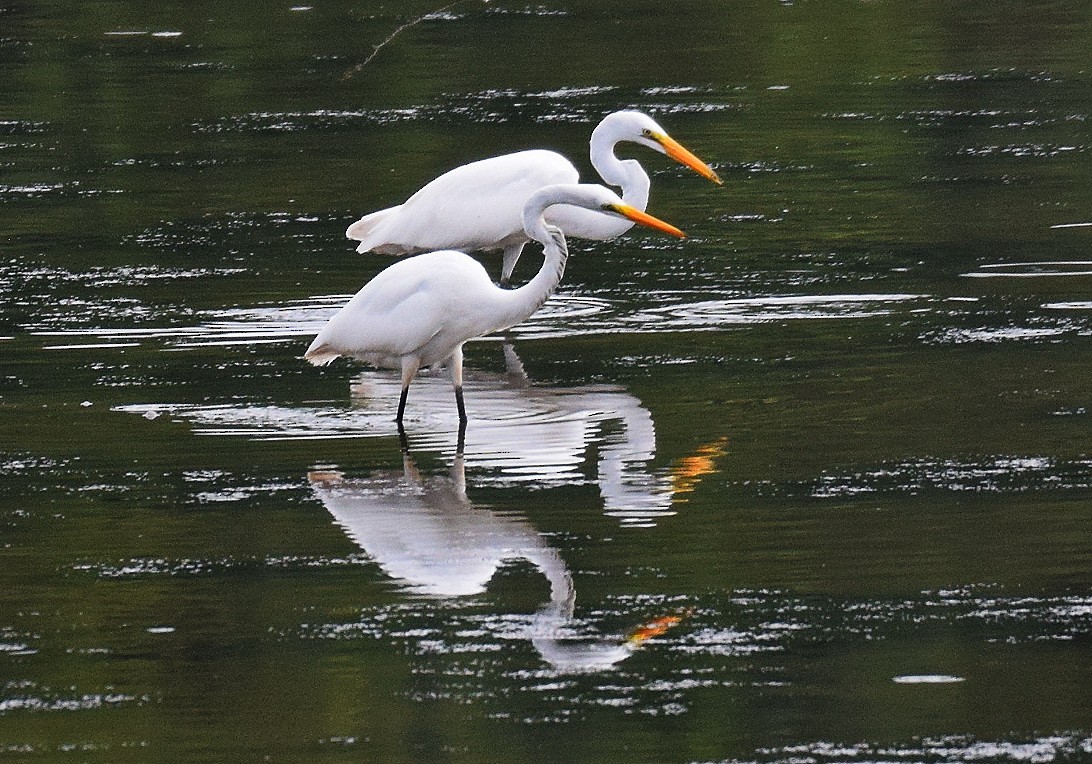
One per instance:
[(682, 155), (643, 218)]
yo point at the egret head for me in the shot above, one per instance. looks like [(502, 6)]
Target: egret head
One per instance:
[(590, 196), (638, 127), (640, 217)]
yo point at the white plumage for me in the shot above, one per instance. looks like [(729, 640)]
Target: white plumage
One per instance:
[(479, 206), (419, 311)]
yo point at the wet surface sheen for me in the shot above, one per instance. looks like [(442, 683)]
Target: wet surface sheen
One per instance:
[(812, 485)]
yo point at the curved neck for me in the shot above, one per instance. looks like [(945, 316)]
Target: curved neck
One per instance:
[(635, 189), (626, 174), (549, 624), (555, 254), (524, 301)]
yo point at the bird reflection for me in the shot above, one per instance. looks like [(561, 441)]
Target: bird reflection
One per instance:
[(542, 434), (423, 531)]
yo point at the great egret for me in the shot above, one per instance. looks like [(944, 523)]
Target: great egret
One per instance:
[(420, 311), (478, 206)]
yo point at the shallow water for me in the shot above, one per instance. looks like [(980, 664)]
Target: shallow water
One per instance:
[(812, 485)]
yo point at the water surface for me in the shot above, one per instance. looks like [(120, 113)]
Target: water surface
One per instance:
[(812, 485)]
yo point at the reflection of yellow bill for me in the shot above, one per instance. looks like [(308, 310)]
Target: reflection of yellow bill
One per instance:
[(326, 478), (654, 628), (688, 471)]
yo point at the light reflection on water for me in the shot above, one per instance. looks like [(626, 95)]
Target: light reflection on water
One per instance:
[(1045, 269), (738, 640), (563, 315), (930, 750), (566, 105), (999, 474), (716, 314), (232, 326), (519, 434)]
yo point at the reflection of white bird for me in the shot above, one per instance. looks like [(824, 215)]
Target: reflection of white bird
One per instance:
[(478, 206), (545, 435), (420, 311), (425, 532)]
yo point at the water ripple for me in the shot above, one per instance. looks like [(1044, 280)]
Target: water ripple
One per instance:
[(57, 702), (996, 474), (1062, 746), (1033, 150), (1042, 331), (1042, 269), (577, 105), (713, 314), (232, 326), (30, 276), (463, 651), (563, 315)]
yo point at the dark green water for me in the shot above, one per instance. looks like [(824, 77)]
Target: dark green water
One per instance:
[(842, 431)]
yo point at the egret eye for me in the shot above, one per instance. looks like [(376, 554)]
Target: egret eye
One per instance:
[(646, 133)]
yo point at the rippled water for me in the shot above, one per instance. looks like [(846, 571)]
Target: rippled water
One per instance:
[(812, 485)]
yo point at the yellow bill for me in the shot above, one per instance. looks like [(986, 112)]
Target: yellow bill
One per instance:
[(643, 218), (682, 155)]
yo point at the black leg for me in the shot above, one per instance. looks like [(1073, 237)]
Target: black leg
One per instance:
[(462, 439), (459, 403), (402, 439), (402, 406)]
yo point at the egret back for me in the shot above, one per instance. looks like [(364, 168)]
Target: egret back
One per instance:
[(477, 206), (422, 306)]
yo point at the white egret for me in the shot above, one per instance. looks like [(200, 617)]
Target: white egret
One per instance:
[(419, 312), (478, 206)]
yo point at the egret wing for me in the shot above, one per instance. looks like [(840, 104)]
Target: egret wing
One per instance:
[(405, 307), (473, 207)]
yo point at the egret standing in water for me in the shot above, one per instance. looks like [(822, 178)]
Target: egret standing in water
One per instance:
[(420, 311), (479, 206)]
